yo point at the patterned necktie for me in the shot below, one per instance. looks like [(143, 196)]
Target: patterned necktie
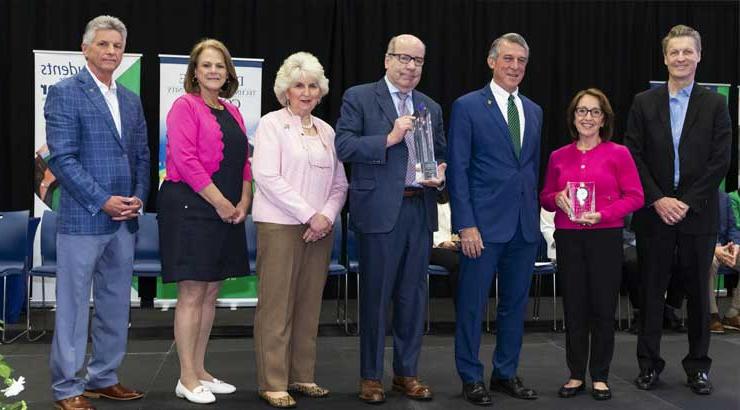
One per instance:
[(409, 139), (513, 117)]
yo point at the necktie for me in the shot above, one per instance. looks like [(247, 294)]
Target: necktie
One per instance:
[(513, 117), (409, 140)]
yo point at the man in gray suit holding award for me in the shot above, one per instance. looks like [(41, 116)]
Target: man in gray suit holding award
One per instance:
[(97, 138)]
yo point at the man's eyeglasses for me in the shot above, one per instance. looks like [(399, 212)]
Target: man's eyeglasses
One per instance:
[(405, 58), (595, 112)]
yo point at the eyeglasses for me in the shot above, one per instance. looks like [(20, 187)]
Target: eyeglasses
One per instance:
[(405, 59), (595, 112)]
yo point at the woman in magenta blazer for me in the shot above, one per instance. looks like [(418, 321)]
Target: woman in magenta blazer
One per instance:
[(589, 246), (202, 206)]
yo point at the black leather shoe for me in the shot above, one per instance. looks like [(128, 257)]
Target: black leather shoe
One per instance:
[(699, 383), (568, 392), (476, 393), (513, 387), (647, 379), (601, 394)]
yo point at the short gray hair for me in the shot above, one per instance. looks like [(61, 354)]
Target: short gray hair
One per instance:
[(682, 31), (297, 64), (103, 23), (515, 38)]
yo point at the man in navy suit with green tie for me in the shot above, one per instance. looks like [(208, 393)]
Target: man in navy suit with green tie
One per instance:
[(493, 159)]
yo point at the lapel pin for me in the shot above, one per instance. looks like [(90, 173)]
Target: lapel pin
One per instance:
[(489, 102)]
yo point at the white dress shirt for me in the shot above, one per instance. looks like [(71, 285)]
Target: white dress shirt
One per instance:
[(111, 98), (502, 100)]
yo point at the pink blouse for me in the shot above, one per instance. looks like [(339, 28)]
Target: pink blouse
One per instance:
[(610, 166), (194, 142), (296, 175)]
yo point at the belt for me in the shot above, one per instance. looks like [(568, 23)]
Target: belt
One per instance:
[(412, 192)]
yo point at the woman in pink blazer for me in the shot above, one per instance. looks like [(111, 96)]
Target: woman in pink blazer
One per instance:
[(202, 206), (589, 245)]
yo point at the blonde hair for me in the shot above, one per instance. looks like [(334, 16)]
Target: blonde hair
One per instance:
[(682, 31)]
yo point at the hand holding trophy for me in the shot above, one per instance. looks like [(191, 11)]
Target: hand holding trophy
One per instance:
[(582, 202), (426, 165)]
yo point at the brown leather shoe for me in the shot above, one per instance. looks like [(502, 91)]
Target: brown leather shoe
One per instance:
[(115, 392), (715, 325), (371, 391), (412, 388), (732, 323), (74, 403)]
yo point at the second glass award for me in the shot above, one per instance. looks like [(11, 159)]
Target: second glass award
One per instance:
[(582, 198)]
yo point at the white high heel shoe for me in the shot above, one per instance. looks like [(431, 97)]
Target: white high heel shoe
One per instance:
[(217, 386), (200, 394)]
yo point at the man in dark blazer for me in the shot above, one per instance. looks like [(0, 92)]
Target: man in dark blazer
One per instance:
[(679, 135), (97, 139), (494, 152), (393, 214)]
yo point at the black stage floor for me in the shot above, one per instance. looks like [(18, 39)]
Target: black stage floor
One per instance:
[(151, 365)]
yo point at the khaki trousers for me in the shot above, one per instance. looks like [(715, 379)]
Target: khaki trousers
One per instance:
[(292, 275), (712, 287)]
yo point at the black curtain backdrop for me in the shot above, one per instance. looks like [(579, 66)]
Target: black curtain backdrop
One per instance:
[(612, 45)]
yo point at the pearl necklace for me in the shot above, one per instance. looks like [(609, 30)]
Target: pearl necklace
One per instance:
[(304, 126)]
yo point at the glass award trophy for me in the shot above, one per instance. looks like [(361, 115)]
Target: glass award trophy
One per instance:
[(426, 165), (582, 198)]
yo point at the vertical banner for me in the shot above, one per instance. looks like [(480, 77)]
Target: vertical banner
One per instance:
[(51, 67), (172, 68)]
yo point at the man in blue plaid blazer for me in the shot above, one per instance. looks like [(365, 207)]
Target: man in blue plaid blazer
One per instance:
[(96, 133)]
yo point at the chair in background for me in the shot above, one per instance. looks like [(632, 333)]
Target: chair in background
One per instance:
[(146, 251), (353, 262), (14, 228), (251, 231), (542, 266), (339, 271), (48, 267), (433, 270)]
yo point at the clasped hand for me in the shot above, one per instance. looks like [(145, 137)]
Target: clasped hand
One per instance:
[(318, 227), (670, 210), (727, 254), (232, 214), (122, 208)]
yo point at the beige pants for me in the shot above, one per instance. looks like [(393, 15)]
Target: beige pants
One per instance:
[(713, 286), (292, 275)]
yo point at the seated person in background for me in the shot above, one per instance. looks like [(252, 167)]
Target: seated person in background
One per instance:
[(725, 254), (631, 272), (547, 227), (446, 250)]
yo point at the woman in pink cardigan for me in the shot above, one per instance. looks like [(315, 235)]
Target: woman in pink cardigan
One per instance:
[(301, 188), (589, 245), (202, 206)]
